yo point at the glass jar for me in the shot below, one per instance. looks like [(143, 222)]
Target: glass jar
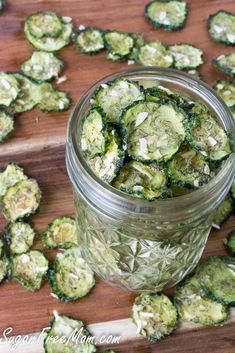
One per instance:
[(130, 242)]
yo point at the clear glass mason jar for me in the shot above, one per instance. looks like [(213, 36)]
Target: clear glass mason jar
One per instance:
[(130, 242)]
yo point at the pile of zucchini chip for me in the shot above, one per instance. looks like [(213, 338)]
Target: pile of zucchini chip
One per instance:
[(132, 47), (22, 91), (202, 298), (147, 141)]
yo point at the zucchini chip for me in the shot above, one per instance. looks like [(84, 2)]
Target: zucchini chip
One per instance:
[(6, 125), (54, 43), (19, 236), (9, 89), (107, 166), (230, 242), (70, 277), (194, 306), (154, 53), (154, 315), (117, 95), (94, 135), (153, 131), (42, 66), (63, 336), (207, 136), (29, 94), (177, 190), (52, 99), (222, 27), (118, 44), (162, 94), (145, 181), (29, 269), (21, 200), (89, 40), (226, 90), (169, 14), (61, 233), (3, 263), (44, 24), (9, 176), (216, 275), (224, 210), (186, 56), (188, 168), (226, 63)]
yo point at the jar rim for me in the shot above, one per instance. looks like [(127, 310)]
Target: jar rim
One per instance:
[(103, 195)]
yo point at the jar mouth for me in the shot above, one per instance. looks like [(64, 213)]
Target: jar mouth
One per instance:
[(104, 195)]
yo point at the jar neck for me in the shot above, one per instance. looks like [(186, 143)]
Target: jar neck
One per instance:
[(116, 204)]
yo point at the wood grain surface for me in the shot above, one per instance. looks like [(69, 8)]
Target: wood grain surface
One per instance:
[(38, 144)]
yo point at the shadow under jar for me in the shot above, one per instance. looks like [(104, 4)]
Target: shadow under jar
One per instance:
[(133, 243)]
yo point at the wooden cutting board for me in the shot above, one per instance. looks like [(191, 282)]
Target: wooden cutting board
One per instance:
[(38, 144)]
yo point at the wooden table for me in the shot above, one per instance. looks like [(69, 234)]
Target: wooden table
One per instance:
[(38, 144)]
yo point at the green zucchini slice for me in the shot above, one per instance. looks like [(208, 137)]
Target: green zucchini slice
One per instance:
[(107, 166), (118, 44), (94, 135), (68, 335), (169, 14), (226, 63), (194, 306), (44, 24), (145, 181), (29, 269), (186, 56), (21, 200), (42, 66), (154, 315), (9, 176), (9, 89), (154, 53), (6, 125), (112, 98), (153, 131), (51, 44), (207, 136), (222, 27), (178, 190), (226, 90), (217, 277), (19, 236), (163, 94), (4, 262), (188, 168), (29, 94), (71, 278), (224, 210), (89, 40), (61, 233), (52, 99), (230, 242)]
